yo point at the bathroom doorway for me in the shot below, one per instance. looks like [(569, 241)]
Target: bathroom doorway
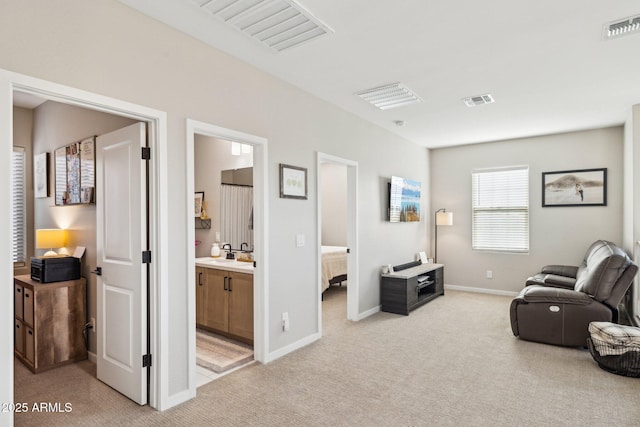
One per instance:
[(227, 304)]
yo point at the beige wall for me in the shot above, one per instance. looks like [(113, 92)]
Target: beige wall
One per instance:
[(334, 204), (56, 125), (558, 235), (75, 43)]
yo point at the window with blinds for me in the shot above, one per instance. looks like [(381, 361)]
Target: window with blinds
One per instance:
[(19, 212), (500, 209)]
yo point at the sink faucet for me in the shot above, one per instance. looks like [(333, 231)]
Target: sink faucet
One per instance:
[(243, 245), (226, 246)]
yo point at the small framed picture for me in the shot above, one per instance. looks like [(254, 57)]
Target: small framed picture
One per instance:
[(293, 182), (584, 187), (198, 200), (41, 175)]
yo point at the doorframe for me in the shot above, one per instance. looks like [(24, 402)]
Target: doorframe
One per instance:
[(260, 219), (353, 282), (156, 120)]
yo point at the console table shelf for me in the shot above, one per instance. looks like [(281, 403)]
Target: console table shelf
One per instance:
[(406, 290)]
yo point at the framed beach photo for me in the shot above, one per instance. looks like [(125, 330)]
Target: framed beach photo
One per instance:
[(293, 182), (583, 187)]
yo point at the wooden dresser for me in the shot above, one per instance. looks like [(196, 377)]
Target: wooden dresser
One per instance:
[(49, 318)]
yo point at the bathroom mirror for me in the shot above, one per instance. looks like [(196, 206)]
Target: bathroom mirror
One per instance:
[(236, 208)]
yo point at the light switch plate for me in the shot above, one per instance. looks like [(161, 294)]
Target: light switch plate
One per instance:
[(299, 240)]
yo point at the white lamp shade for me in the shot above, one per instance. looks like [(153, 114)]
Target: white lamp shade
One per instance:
[(444, 218), (49, 238)]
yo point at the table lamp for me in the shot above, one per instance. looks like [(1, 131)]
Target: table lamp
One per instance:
[(50, 238)]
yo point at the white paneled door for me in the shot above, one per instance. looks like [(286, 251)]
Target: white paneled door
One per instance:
[(121, 227)]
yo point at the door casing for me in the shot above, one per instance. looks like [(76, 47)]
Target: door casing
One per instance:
[(260, 219), (159, 397), (353, 286)]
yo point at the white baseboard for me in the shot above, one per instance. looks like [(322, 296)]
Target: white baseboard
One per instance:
[(481, 290), (291, 347), (368, 313), (92, 357)]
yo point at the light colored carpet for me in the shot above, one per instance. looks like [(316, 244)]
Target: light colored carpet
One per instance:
[(219, 354), (452, 362)]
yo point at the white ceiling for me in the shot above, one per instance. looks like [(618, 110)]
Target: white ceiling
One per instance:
[(544, 62)]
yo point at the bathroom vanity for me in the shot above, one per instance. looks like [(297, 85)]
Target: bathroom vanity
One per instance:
[(224, 297)]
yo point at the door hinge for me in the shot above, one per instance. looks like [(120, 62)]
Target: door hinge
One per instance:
[(146, 153), (146, 257), (146, 360)]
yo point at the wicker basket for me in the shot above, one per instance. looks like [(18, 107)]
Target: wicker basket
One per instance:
[(625, 363)]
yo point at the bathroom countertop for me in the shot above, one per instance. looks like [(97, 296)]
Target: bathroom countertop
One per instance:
[(225, 264)]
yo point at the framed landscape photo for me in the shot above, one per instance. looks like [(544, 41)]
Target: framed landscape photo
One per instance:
[(293, 182), (583, 187)]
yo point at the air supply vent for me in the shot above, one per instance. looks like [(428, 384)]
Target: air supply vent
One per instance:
[(279, 24), (621, 27), (474, 101), (389, 96)]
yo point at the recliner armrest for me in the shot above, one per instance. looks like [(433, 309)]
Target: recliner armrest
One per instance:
[(542, 294), (551, 280), (561, 270)]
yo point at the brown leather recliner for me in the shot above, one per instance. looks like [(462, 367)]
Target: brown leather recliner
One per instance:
[(557, 304)]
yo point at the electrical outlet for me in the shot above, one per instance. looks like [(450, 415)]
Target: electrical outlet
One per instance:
[(285, 321), (489, 274), (92, 323)]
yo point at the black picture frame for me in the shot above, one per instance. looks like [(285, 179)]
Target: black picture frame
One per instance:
[(293, 182), (570, 188), (198, 201)]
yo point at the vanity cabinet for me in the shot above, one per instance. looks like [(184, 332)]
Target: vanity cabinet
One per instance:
[(49, 318), (224, 302)]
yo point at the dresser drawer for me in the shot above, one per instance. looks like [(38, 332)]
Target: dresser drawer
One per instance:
[(27, 306), (19, 336), (18, 301)]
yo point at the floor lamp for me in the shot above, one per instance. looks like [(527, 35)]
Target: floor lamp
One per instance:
[(442, 218)]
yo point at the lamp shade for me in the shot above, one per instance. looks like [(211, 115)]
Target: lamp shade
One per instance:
[(444, 218), (49, 238)]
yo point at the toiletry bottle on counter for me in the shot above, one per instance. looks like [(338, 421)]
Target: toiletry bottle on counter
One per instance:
[(215, 250)]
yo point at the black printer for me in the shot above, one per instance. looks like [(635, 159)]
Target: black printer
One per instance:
[(56, 268)]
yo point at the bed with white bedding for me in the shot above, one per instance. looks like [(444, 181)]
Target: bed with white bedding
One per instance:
[(334, 265)]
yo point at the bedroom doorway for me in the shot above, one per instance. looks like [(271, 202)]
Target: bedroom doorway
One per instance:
[(337, 233)]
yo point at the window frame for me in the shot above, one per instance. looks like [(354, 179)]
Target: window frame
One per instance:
[(500, 210)]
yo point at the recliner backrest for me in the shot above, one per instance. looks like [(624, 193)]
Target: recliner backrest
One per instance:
[(603, 265)]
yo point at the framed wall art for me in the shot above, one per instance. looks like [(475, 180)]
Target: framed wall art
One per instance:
[(583, 187), (198, 201), (75, 173), (293, 182), (41, 176)]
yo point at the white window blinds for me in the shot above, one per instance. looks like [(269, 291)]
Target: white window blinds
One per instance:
[(19, 212), (500, 209)]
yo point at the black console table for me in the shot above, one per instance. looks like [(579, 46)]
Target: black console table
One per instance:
[(406, 290)]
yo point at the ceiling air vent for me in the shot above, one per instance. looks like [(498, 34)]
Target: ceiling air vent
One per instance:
[(474, 101), (389, 96), (279, 24), (621, 27)]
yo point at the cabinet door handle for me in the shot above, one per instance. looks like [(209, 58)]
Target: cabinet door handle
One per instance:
[(225, 283), (230, 289), (200, 278)]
